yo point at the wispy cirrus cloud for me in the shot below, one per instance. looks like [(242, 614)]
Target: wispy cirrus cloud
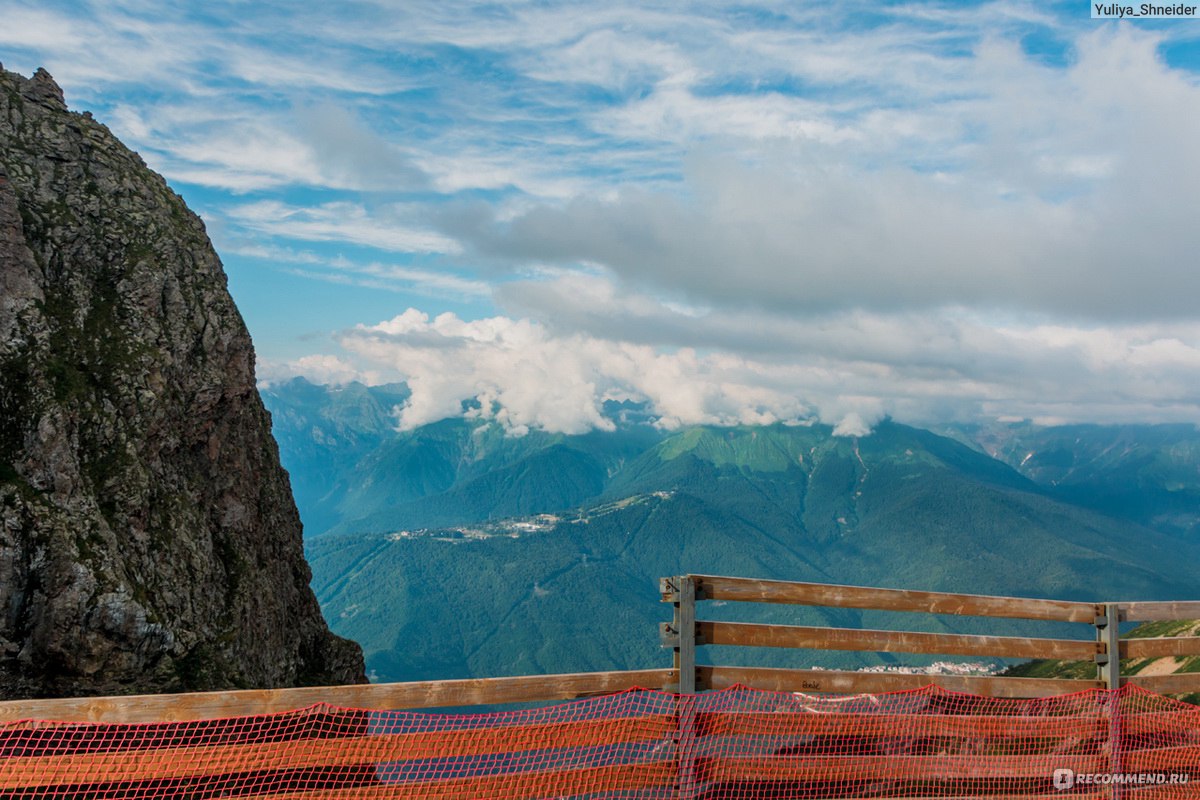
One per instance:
[(400, 279), (397, 279), (1047, 216), (384, 228)]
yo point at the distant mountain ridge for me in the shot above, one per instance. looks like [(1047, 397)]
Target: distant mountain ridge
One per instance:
[(1149, 474), (574, 589)]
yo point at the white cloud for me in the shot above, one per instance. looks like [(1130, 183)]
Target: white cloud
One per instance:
[(852, 425), (270, 252), (244, 148), (245, 155), (527, 378), (614, 58), (384, 228), (397, 279), (40, 29), (351, 155), (318, 368)]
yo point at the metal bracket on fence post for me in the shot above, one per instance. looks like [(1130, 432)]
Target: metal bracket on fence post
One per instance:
[(1108, 634)]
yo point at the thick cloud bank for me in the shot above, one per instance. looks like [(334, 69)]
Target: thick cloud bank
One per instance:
[(526, 377), (846, 369)]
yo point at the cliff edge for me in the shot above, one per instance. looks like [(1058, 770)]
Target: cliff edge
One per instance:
[(148, 536)]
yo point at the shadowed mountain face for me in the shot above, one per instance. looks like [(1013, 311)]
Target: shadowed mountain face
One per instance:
[(148, 537), (453, 550)]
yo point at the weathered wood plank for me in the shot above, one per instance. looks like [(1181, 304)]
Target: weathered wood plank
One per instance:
[(715, 587), (1156, 611), (627, 778), (381, 696), (1162, 646), (1162, 723), (192, 762), (1161, 759), (1177, 683), (939, 767), (811, 680), (815, 638), (1099, 795), (891, 726)]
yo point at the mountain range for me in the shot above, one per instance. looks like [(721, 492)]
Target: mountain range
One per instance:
[(1149, 474), (457, 549)]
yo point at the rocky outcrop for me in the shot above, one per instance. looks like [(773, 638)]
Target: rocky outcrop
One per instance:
[(148, 536)]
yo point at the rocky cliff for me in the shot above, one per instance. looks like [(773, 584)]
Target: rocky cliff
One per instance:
[(148, 536)]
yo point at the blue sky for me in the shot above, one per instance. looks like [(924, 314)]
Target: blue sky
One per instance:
[(733, 213)]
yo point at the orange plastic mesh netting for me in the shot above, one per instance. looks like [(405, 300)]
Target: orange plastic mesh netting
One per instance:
[(736, 743)]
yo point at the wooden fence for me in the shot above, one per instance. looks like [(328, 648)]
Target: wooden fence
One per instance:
[(1104, 647), (736, 744), (686, 632), (1006, 737), (373, 697)]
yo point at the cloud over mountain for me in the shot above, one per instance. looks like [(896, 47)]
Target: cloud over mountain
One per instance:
[(846, 369)]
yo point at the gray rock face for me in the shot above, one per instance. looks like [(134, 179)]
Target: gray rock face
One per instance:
[(148, 536)]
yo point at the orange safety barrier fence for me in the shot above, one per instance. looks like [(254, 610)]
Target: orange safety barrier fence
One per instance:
[(735, 743)]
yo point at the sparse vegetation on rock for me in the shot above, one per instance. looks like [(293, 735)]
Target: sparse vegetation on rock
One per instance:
[(148, 536)]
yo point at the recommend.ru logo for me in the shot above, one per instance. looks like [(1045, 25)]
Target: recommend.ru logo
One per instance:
[(1068, 779)]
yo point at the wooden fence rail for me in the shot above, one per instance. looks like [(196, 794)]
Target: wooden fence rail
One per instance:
[(841, 682), (816, 638), (714, 587), (376, 696)]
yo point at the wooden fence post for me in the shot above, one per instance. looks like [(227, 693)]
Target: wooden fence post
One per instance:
[(680, 633), (685, 617), (680, 591), (1108, 633)]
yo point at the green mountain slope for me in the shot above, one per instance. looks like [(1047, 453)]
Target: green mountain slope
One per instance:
[(901, 507), (554, 478)]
